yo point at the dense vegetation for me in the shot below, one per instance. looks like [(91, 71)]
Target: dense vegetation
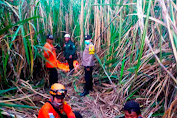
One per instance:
[(135, 41)]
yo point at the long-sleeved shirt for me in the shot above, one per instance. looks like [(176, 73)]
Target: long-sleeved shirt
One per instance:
[(47, 110), (88, 55), (69, 49), (50, 56)]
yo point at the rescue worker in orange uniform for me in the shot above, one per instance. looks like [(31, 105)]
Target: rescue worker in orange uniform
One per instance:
[(51, 61), (57, 107)]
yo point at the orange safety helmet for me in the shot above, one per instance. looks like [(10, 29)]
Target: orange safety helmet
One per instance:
[(58, 90)]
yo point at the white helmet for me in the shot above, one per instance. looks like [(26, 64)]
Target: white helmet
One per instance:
[(67, 35)]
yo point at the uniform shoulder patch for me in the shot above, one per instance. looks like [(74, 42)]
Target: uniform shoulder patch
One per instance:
[(91, 49)]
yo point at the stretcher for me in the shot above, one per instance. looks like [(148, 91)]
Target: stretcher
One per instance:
[(65, 67)]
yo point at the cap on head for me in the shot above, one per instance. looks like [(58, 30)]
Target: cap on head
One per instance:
[(132, 106), (49, 37), (67, 35), (58, 90), (87, 37)]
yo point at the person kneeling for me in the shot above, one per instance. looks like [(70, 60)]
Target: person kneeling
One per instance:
[(57, 107)]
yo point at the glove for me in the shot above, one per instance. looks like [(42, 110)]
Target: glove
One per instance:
[(57, 47)]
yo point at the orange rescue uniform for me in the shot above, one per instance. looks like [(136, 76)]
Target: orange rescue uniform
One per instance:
[(47, 109), (50, 56)]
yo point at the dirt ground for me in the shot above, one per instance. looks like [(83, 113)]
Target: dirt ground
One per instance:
[(98, 104)]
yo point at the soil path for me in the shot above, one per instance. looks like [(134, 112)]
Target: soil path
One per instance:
[(98, 104)]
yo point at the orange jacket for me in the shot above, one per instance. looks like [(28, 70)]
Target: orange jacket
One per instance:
[(48, 109), (50, 56)]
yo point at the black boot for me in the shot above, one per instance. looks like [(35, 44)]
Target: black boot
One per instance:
[(84, 93), (77, 114), (91, 89)]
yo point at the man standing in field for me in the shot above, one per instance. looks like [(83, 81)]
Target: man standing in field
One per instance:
[(51, 61), (69, 52), (88, 63)]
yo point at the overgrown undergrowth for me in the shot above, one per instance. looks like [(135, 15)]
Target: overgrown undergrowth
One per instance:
[(136, 52)]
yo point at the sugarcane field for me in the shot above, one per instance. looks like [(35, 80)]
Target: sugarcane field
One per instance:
[(88, 58)]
